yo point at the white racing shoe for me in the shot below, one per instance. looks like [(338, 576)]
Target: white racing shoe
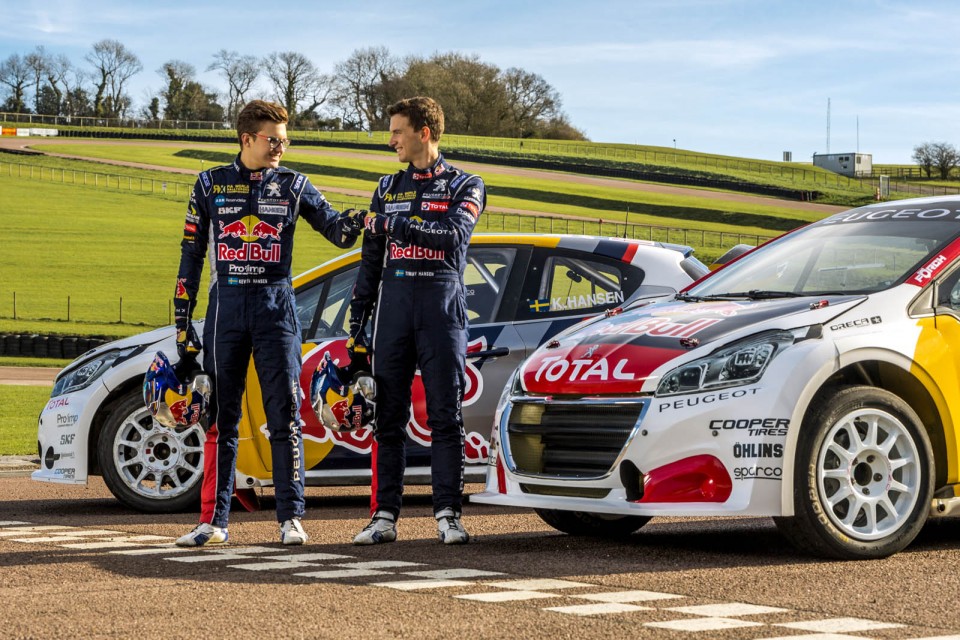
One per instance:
[(449, 528), (382, 528), (203, 534), (291, 532)]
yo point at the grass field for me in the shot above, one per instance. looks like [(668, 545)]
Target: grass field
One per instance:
[(98, 255), (19, 408)]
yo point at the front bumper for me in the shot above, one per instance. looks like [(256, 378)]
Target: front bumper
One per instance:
[(63, 434)]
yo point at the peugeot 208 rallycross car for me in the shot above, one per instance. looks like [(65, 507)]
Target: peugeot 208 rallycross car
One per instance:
[(815, 379)]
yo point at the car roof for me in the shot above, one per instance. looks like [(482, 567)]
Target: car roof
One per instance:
[(600, 245)]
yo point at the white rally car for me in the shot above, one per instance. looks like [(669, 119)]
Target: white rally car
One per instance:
[(815, 379)]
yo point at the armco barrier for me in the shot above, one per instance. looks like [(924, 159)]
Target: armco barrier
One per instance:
[(48, 346)]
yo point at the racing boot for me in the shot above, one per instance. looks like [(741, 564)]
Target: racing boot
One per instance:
[(291, 532), (203, 534), (449, 528), (382, 528)]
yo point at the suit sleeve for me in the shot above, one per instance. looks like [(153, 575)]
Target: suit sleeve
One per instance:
[(193, 247), (319, 213), (455, 228), (372, 252)]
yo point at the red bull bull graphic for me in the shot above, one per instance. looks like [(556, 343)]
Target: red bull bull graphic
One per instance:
[(266, 230), (181, 293), (235, 229), (361, 440)]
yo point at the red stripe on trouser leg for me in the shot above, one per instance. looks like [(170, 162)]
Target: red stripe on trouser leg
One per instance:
[(373, 479), (208, 490)]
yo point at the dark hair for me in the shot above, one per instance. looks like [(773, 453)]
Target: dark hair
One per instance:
[(255, 113), (422, 112)]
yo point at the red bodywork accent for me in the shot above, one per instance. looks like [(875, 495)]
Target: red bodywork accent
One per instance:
[(501, 476), (631, 251), (698, 479)]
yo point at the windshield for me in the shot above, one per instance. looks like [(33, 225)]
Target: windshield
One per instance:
[(832, 258)]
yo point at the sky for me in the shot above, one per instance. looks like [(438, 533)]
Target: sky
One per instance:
[(748, 78)]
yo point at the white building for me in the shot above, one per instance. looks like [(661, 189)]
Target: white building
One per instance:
[(846, 164)]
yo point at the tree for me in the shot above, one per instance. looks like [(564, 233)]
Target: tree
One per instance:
[(240, 72), (38, 63), (185, 98), (942, 155), (57, 71), (469, 90), (15, 73), (113, 66), (530, 100), (358, 88), (295, 80), (923, 156)]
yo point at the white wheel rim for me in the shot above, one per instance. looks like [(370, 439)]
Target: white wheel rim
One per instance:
[(868, 474), (156, 462)]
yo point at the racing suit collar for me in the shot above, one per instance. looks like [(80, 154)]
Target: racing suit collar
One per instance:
[(248, 174), (438, 167)]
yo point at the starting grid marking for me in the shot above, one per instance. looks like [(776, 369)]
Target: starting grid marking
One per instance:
[(417, 576)]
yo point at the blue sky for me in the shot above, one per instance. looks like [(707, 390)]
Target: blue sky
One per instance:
[(746, 78)]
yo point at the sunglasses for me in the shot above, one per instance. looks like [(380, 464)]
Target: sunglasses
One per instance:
[(274, 142)]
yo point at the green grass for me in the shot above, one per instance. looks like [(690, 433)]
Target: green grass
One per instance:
[(10, 361), (95, 248), (19, 408)]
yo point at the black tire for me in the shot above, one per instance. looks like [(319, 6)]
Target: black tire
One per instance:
[(581, 523), (147, 466), (852, 500)]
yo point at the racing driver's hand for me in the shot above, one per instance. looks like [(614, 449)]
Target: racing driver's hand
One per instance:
[(350, 224), (378, 224), (358, 349), (188, 342)]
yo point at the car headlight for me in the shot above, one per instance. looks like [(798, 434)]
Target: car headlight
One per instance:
[(738, 364), (84, 375)]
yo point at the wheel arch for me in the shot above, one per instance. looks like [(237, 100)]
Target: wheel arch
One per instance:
[(882, 369), (100, 418)]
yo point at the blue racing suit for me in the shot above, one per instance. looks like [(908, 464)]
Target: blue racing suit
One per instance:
[(412, 277), (245, 220)]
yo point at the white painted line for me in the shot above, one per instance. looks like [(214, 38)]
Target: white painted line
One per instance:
[(726, 610), (703, 624), (12, 523), (442, 574), (23, 531), (627, 596), (270, 566), (830, 636), (95, 532), (841, 625), (413, 585), (155, 550), (507, 596), (47, 539), (343, 573), (379, 564), (213, 557), (953, 637), (222, 548), (148, 538), (537, 583), (598, 609), (117, 544), (311, 557)]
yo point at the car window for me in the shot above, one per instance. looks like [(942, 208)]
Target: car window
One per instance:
[(485, 279), (332, 297), (948, 291), (577, 284)]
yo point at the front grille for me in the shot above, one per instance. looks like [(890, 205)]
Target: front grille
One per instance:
[(570, 439)]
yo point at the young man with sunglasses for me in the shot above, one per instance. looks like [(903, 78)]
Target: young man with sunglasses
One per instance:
[(243, 215), (411, 276)]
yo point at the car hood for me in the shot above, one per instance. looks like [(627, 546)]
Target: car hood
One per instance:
[(616, 354)]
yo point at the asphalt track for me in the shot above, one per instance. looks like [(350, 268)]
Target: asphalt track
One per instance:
[(76, 564)]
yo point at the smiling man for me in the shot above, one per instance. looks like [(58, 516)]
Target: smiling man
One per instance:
[(411, 278), (243, 216)]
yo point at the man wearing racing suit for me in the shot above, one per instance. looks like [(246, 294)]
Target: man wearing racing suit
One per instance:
[(411, 276), (244, 215)]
